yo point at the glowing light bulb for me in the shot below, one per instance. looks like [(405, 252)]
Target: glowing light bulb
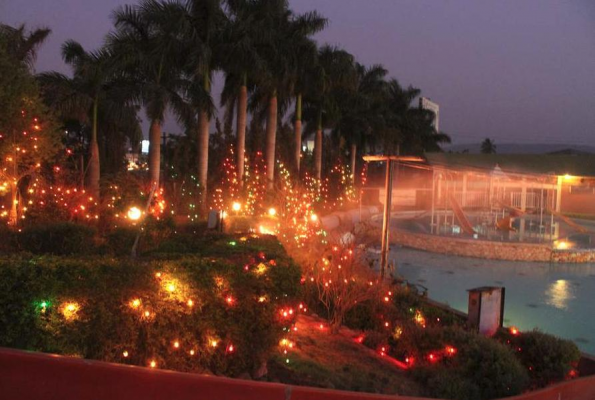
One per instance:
[(176, 344), (214, 343), (153, 364), (272, 212), (125, 354), (191, 352), (171, 288), (135, 303), (236, 206), (147, 314), (190, 303), (134, 213), (313, 217), (514, 330)]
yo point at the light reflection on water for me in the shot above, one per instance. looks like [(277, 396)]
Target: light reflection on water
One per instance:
[(559, 294), (556, 298)]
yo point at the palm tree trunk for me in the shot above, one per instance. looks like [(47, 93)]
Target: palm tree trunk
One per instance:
[(203, 150), (353, 158), (241, 130), (318, 149), (271, 138), (298, 132), (203, 158), (155, 151), (94, 168)]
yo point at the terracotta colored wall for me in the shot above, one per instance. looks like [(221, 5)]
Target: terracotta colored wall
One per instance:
[(32, 376)]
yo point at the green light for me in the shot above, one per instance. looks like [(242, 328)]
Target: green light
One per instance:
[(44, 304), (233, 243)]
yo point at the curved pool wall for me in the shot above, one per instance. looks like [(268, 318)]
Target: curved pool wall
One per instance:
[(554, 297), (491, 250)]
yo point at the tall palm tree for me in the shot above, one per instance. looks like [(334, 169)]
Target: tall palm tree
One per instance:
[(240, 62), (199, 24), (335, 70), (279, 32), (408, 127), (361, 108), (151, 55), (80, 97), (21, 45), (305, 53)]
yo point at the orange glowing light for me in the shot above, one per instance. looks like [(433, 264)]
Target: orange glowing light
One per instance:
[(514, 330), (153, 364), (125, 354), (135, 303), (134, 213)]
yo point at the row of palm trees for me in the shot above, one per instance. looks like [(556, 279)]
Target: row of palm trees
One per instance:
[(162, 55)]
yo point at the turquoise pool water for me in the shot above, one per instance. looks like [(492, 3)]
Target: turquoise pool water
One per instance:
[(556, 298)]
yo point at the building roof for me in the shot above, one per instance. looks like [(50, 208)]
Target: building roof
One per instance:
[(543, 164)]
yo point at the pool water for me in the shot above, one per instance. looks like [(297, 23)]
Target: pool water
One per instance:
[(556, 298)]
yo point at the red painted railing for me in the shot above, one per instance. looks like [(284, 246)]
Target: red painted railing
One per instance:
[(33, 376)]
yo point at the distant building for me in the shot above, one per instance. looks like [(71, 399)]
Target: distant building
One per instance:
[(427, 104)]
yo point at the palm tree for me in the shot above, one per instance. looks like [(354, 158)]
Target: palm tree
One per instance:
[(80, 97), (488, 146), (199, 24), (333, 71), (280, 33), (240, 62), (361, 108), (151, 55), (23, 46), (409, 128), (305, 53)]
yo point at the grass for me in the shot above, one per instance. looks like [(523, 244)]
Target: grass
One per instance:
[(323, 360)]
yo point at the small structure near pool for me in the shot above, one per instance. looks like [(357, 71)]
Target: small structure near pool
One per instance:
[(511, 207)]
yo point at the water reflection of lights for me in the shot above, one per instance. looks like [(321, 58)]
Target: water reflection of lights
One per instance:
[(559, 294)]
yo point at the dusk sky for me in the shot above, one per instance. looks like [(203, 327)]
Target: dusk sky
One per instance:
[(512, 70)]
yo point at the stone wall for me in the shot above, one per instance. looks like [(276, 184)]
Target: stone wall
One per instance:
[(489, 249), (472, 248)]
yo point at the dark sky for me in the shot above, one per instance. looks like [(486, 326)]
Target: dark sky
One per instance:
[(512, 70)]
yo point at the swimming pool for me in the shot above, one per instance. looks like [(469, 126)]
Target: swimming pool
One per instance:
[(556, 298)]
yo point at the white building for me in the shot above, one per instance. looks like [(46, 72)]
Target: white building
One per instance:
[(427, 104)]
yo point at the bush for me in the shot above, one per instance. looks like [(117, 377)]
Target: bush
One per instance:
[(103, 324), (59, 239), (547, 358), (482, 368)]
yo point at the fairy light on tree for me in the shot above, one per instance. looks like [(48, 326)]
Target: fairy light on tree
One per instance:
[(226, 196), (28, 139), (255, 184)]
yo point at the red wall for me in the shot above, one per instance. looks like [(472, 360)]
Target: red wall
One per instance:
[(32, 376)]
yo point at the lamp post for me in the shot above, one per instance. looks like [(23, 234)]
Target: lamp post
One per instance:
[(388, 187)]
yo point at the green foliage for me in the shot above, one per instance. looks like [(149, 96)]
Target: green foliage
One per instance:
[(481, 369), (547, 358), (106, 325), (60, 239)]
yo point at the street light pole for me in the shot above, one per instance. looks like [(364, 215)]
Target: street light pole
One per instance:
[(388, 187)]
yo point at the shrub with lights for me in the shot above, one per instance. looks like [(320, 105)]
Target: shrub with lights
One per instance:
[(192, 314)]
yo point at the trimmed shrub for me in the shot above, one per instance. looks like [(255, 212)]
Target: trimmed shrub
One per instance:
[(59, 239), (104, 323), (547, 358)]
